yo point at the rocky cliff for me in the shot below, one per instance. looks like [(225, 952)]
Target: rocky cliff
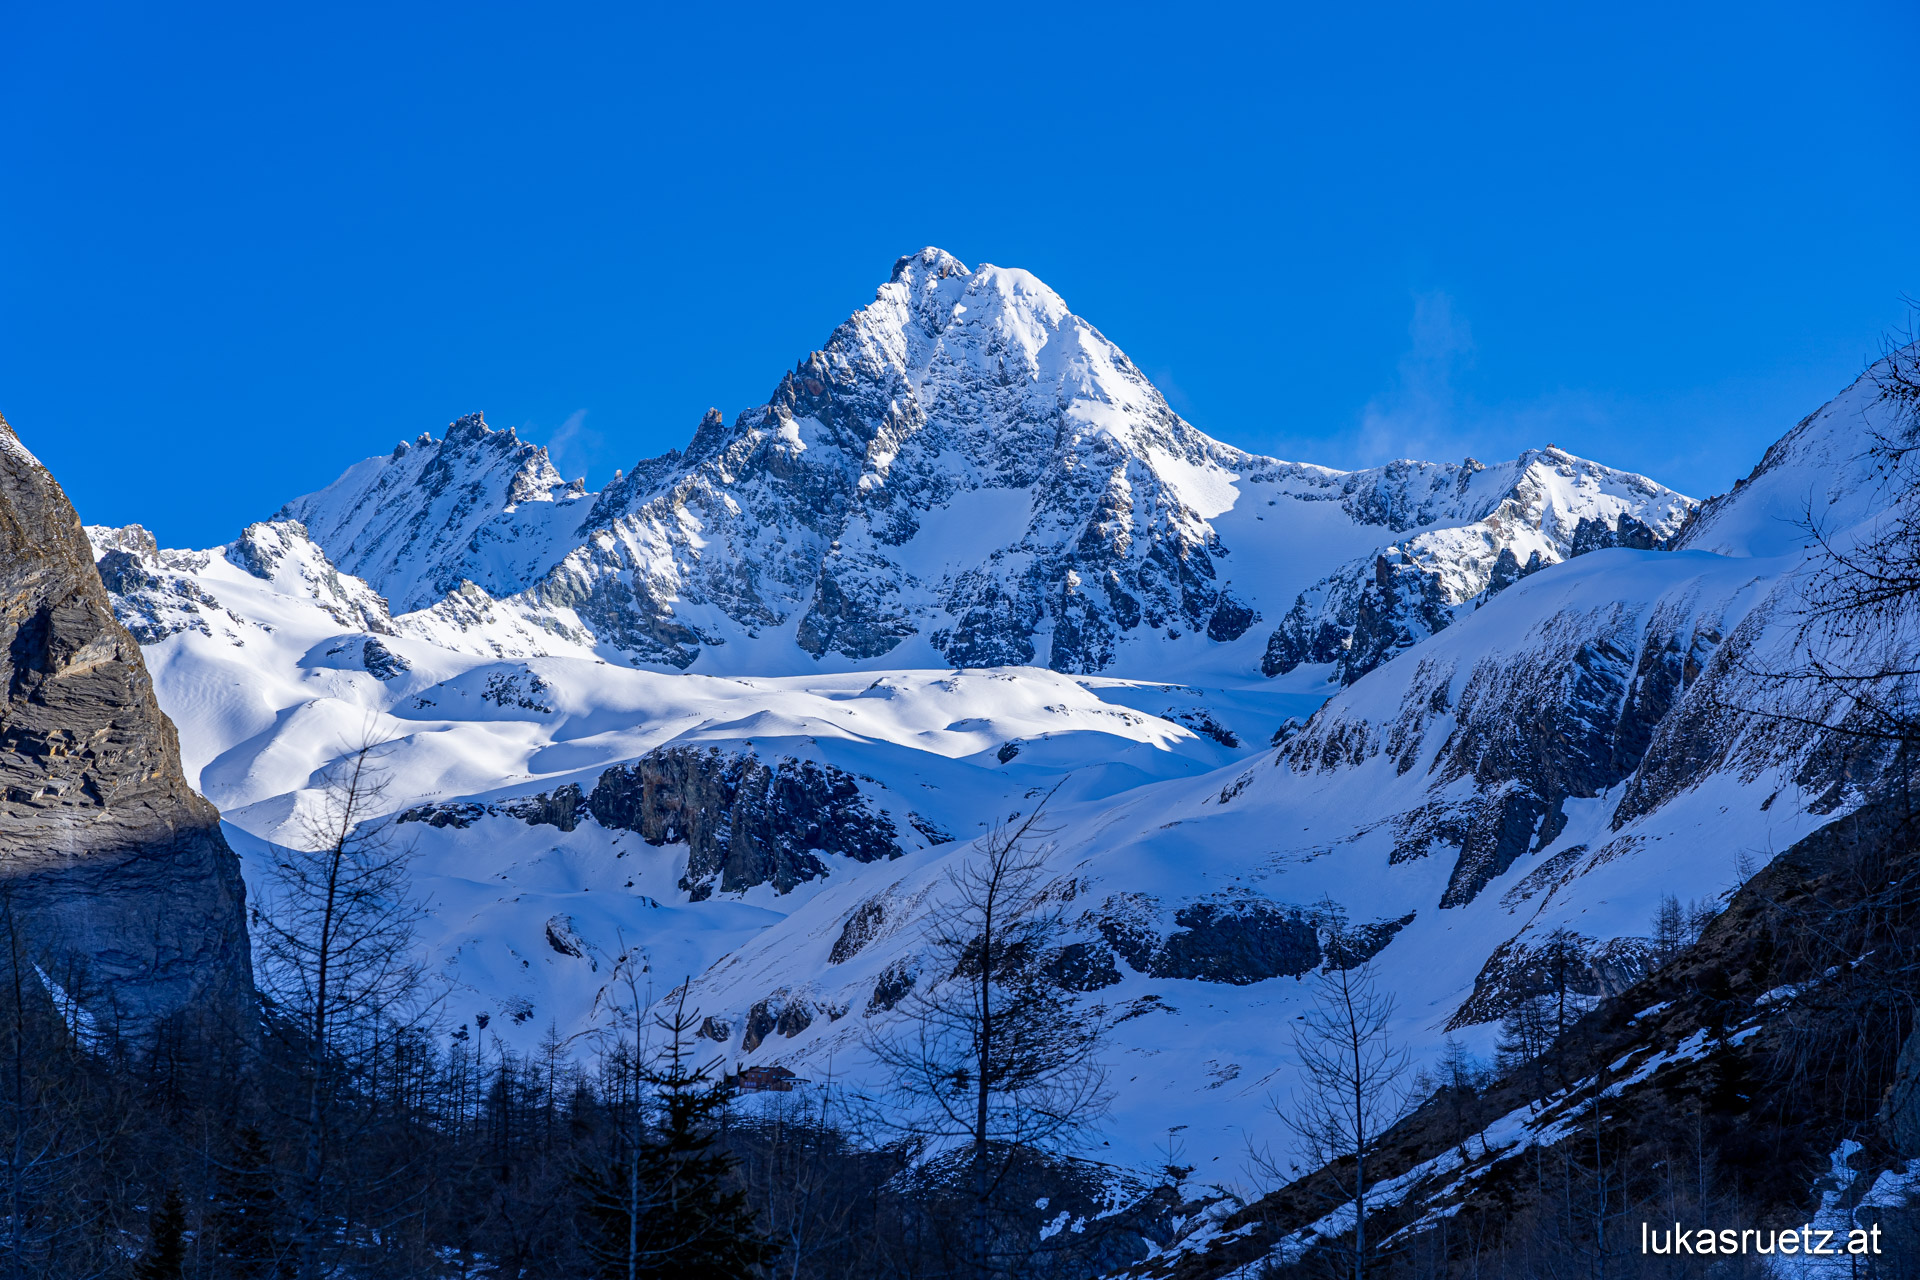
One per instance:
[(123, 898)]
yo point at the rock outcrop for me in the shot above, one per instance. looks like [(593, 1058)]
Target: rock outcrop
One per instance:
[(745, 822), (128, 903)]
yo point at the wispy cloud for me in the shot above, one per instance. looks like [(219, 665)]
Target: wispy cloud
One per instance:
[(574, 446), (1420, 416), (1426, 413)]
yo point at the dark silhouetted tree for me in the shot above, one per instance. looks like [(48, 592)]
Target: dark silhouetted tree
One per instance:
[(665, 1206)]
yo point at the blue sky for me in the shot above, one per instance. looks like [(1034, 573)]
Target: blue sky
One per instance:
[(241, 247)]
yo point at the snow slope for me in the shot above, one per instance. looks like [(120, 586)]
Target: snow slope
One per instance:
[(859, 590), (267, 686)]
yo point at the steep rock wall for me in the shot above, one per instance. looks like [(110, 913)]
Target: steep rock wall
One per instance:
[(120, 888)]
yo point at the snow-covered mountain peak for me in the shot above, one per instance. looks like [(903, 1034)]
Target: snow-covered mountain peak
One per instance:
[(478, 505), (965, 473), (1523, 719), (994, 324), (930, 262)]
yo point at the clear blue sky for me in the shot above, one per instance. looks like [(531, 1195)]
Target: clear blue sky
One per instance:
[(243, 246)]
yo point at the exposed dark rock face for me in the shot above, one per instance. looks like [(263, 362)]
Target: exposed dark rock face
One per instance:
[(928, 831), (257, 551), (1695, 738), (1500, 829), (796, 1017), (1596, 535), (562, 937), (855, 624), (153, 595), (761, 1021), (1594, 698), (1353, 947), (518, 687), (123, 573), (744, 822), (150, 602), (893, 985), (1238, 939), (1521, 970), (1359, 625), (123, 888), (1508, 570), (1403, 605), (1202, 722), (1238, 943), (382, 662), (862, 927), (458, 814), (1570, 723), (1127, 924), (562, 808), (1083, 966), (622, 613)]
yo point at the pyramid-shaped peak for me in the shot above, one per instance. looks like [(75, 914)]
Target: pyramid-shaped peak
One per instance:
[(930, 261)]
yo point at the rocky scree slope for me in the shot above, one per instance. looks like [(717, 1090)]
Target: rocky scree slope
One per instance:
[(966, 474), (128, 899)]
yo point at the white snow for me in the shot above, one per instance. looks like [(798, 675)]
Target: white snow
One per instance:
[(510, 693)]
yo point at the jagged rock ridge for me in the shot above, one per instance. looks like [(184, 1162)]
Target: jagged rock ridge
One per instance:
[(1545, 507)]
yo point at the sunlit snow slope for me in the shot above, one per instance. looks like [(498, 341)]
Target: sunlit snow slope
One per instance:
[(734, 717)]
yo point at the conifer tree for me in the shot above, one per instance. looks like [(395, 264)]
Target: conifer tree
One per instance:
[(242, 1218), (166, 1254), (667, 1205)]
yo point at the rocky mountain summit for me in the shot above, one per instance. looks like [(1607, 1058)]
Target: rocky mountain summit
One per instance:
[(966, 474), (127, 900)]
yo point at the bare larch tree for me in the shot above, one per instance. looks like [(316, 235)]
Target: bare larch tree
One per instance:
[(335, 936), (993, 1060)]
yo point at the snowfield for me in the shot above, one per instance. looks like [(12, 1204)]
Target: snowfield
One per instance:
[(964, 557)]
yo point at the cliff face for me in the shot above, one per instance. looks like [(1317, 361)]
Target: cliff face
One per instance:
[(120, 890)]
